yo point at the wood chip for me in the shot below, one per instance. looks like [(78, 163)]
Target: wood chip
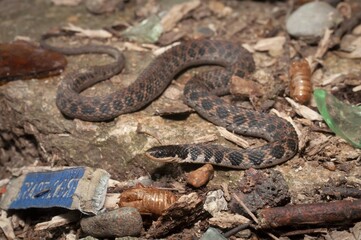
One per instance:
[(206, 138), (187, 210), (304, 111), (274, 45), (356, 89), (316, 145), (335, 78), (227, 220), (232, 137), (6, 226), (159, 51), (111, 201), (135, 47), (99, 33), (176, 13), (59, 220)]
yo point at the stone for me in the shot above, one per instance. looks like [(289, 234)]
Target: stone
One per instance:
[(311, 20), (120, 222)]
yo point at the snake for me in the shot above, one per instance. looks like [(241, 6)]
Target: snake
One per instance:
[(203, 92)]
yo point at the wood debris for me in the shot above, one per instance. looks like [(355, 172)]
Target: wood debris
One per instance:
[(227, 220), (304, 111), (310, 214), (6, 226), (233, 137), (90, 33), (59, 220), (176, 13), (187, 210)]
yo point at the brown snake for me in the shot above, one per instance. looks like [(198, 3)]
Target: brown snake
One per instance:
[(201, 93)]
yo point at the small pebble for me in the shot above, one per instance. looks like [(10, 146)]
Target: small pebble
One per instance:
[(329, 165), (200, 176), (120, 222), (311, 20)]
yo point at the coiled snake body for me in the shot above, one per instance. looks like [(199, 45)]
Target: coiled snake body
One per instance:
[(201, 93)]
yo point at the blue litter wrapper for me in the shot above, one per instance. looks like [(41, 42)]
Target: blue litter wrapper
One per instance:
[(79, 188)]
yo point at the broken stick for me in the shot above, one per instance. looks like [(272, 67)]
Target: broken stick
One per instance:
[(310, 214)]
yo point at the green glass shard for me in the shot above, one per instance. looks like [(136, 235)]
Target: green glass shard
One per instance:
[(342, 118)]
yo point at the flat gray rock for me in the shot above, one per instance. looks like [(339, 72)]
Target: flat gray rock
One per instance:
[(311, 20)]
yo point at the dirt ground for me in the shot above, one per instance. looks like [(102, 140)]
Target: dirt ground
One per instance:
[(326, 167)]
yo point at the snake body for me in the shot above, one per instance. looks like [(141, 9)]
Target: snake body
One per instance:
[(201, 93)]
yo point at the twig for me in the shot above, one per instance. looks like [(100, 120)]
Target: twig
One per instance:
[(322, 48), (269, 234), (245, 208), (236, 230), (232, 137), (310, 214), (341, 192)]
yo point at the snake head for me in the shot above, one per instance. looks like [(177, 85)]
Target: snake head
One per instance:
[(166, 153)]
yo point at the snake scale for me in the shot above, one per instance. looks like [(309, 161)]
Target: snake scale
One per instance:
[(202, 93)]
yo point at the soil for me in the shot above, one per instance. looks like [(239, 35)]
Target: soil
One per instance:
[(34, 133)]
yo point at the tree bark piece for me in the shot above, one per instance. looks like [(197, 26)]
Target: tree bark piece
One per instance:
[(310, 214)]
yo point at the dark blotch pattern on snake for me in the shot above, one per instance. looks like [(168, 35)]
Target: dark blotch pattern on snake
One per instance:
[(201, 93)]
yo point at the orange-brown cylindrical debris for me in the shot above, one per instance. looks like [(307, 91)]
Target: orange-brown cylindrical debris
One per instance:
[(147, 199), (300, 81), (310, 214), (200, 176)]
